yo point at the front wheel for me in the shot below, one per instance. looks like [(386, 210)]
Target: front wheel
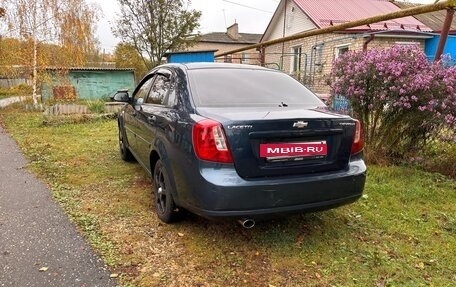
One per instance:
[(164, 203)]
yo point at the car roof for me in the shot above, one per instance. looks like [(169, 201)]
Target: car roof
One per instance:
[(211, 65)]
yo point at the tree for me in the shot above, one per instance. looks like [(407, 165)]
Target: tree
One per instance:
[(40, 21), (77, 31), (126, 56), (401, 97), (155, 27)]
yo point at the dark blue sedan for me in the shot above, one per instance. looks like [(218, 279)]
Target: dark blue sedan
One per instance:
[(239, 141)]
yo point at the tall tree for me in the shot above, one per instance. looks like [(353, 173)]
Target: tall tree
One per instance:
[(77, 31), (41, 21), (126, 56), (155, 27), (34, 22)]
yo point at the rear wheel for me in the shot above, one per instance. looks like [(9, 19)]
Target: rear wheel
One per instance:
[(163, 199), (125, 153)]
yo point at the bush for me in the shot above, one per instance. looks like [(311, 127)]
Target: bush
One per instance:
[(402, 99), (96, 106), (19, 90), (439, 156)]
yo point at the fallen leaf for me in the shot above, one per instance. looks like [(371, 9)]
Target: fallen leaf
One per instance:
[(43, 269), (317, 275), (144, 269), (180, 234), (114, 275)]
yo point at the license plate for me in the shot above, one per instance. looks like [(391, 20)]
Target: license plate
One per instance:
[(289, 150)]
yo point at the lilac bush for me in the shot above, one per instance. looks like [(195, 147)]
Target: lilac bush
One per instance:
[(402, 98)]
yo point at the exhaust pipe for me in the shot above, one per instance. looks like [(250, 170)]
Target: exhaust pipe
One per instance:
[(247, 223)]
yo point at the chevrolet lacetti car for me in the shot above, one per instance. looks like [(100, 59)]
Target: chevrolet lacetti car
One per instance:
[(238, 141)]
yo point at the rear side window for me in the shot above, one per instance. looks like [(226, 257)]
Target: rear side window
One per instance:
[(141, 93), (159, 90), (245, 87)]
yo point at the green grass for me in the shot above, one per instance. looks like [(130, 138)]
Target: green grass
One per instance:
[(401, 233)]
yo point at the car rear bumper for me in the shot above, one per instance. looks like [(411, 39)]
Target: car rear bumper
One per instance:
[(221, 192)]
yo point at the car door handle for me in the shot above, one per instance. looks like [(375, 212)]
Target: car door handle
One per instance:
[(152, 119)]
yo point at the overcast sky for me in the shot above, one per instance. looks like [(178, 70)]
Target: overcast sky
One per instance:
[(252, 16)]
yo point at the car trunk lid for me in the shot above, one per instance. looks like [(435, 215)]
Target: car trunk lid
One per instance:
[(284, 141)]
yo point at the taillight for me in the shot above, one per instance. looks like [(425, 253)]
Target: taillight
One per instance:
[(210, 143), (358, 143)]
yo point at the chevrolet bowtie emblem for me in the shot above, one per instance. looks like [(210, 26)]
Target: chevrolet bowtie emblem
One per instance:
[(300, 124)]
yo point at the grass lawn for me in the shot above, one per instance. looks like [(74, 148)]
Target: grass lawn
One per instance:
[(401, 233)]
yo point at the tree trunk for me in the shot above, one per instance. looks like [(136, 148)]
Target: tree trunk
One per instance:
[(34, 77)]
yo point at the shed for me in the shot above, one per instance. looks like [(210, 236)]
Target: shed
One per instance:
[(436, 21), (191, 56), (450, 47), (86, 83)]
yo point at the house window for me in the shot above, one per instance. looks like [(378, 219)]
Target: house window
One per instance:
[(296, 59), (245, 58), (228, 59), (339, 50)]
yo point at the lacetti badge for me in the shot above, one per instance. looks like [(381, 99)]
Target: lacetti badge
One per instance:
[(306, 149), (300, 124)]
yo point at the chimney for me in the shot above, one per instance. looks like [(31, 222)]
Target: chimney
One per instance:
[(233, 31)]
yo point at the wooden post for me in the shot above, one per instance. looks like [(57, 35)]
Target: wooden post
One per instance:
[(444, 34)]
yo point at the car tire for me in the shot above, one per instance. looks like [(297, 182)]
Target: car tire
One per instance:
[(125, 153), (163, 200)]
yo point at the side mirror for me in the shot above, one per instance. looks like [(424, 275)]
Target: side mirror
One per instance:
[(121, 96)]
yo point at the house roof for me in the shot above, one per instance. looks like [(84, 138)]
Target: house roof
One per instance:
[(433, 20), (222, 37), (190, 52), (86, 69), (325, 13)]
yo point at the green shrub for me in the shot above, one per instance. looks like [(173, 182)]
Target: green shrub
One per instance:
[(19, 90), (439, 156), (96, 106)]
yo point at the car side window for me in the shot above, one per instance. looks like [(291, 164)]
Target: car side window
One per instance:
[(159, 90), (143, 91)]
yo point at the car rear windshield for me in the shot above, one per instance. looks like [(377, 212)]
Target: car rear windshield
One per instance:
[(248, 87)]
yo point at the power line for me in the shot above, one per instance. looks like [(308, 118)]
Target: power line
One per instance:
[(245, 6)]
